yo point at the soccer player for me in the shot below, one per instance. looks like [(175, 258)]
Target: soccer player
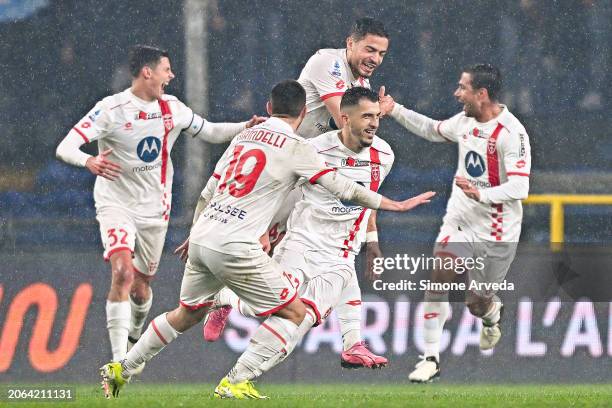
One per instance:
[(484, 214), (325, 77), (257, 170), (136, 130), (324, 234)]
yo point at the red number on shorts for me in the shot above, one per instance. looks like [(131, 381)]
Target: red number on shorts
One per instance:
[(248, 180), (284, 294), (114, 238), (124, 237)]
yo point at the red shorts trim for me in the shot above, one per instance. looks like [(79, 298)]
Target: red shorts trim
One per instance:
[(195, 307), (314, 309), (112, 251), (329, 95), (516, 173), (277, 308)]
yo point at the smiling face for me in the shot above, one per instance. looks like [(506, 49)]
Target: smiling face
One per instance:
[(472, 99), (362, 121), (157, 77), (365, 55)]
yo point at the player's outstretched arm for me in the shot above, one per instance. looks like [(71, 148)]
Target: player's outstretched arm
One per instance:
[(346, 189), (416, 123), (406, 205), (224, 132)]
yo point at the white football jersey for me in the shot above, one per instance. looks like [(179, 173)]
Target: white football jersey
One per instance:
[(256, 172), (141, 135), (327, 73), (322, 222), (489, 153)]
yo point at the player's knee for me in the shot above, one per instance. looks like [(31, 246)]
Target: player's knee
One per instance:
[(123, 275), (477, 306), (294, 311), (141, 289)]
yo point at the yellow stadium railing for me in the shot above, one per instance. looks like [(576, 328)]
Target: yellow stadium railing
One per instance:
[(557, 204)]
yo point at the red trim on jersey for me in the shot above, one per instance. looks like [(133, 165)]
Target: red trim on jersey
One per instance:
[(156, 330), (516, 173), (195, 307), (168, 126), (374, 184), (440, 133), (361, 81), (277, 308), (329, 95), (217, 176), (492, 156), (112, 251), (355, 302), (274, 332), (314, 308), (82, 134), (314, 178)]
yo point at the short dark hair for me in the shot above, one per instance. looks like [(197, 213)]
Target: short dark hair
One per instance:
[(367, 25), (486, 76), (144, 55), (352, 96), (288, 98)]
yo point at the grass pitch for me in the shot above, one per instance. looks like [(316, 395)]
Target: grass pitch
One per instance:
[(346, 395)]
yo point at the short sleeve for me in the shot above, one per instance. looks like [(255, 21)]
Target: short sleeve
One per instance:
[(95, 125), (451, 129), (516, 153), (308, 164), (326, 75), (191, 123)]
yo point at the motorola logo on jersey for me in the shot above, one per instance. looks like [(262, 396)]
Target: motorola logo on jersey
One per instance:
[(148, 149), (474, 164)]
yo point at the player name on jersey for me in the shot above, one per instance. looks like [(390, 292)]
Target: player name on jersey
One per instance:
[(264, 136)]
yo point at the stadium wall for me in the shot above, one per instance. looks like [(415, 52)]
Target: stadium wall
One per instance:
[(52, 327)]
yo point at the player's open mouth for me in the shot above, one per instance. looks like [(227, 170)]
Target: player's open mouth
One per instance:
[(369, 67), (370, 132)]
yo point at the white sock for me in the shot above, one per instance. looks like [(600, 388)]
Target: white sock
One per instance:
[(435, 313), (271, 343), (139, 315), (493, 315), (153, 340), (348, 311), (118, 324), (227, 297)]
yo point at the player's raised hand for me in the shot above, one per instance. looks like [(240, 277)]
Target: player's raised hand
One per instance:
[(183, 250), (256, 120), (101, 166), (386, 102), (468, 188), (406, 205)]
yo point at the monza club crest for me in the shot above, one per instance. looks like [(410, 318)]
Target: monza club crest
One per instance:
[(168, 123), (375, 171)]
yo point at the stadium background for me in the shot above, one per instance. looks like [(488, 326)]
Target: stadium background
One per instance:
[(59, 57)]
